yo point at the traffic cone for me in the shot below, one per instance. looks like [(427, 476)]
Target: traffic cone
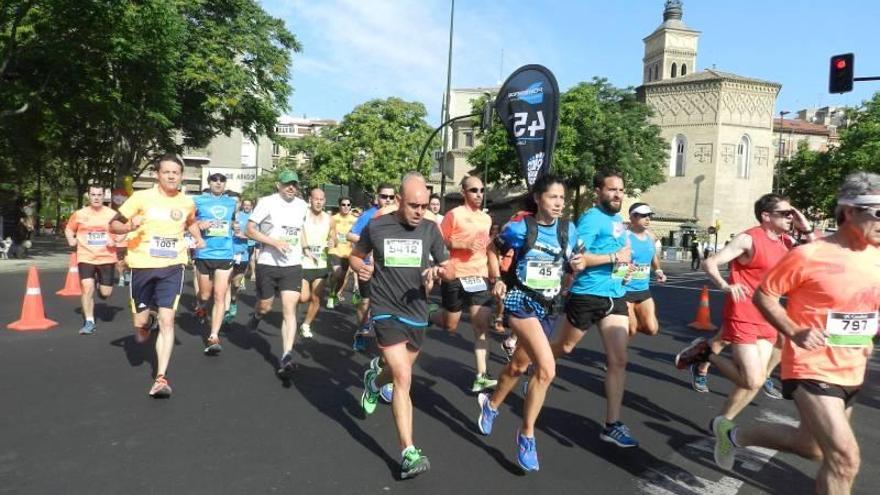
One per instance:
[(703, 320), (33, 317), (71, 285)]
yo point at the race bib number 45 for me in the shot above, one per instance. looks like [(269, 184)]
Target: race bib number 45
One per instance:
[(851, 329), (543, 275), (403, 253)]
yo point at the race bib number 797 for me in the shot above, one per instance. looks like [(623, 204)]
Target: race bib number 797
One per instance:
[(851, 329)]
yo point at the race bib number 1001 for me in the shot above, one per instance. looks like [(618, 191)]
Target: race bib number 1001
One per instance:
[(851, 329), (163, 247), (403, 253)]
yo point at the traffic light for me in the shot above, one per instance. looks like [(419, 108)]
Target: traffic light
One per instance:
[(840, 76)]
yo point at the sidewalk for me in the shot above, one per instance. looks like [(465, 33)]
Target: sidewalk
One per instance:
[(47, 253)]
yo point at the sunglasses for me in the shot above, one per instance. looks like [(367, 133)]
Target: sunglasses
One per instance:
[(386, 196), (217, 178), (476, 190), (783, 213), (344, 204), (871, 211), (643, 215)]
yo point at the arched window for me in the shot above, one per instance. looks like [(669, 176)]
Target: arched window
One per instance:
[(648, 74), (743, 157), (674, 68), (656, 71), (677, 156), (684, 69)]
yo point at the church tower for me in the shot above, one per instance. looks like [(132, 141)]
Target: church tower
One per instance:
[(671, 50)]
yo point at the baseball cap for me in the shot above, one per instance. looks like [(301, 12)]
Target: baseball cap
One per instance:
[(288, 176), (217, 176), (641, 209)]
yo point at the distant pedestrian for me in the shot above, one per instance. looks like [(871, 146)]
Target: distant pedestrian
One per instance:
[(695, 255)]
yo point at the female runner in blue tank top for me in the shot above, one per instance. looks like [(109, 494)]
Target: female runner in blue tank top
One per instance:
[(539, 274), (642, 317)]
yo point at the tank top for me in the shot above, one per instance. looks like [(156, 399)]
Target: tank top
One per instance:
[(317, 230), (766, 253), (642, 255)]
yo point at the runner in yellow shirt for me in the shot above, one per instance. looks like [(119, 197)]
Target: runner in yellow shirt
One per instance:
[(342, 223), (157, 254)]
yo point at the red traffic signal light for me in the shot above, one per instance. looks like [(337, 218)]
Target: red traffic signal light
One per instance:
[(840, 77)]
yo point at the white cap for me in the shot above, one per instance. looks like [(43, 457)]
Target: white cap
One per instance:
[(641, 209)]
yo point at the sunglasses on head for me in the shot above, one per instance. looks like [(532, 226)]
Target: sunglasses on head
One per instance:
[(475, 190), (386, 196)]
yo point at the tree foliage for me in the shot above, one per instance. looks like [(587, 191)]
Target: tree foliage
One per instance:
[(379, 141), (600, 127)]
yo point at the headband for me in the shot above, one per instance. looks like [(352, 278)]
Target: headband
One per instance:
[(861, 200)]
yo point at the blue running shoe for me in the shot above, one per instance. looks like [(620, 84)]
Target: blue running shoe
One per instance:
[(88, 328), (360, 343), (487, 414), (699, 381), (771, 391), (527, 454), (619, 435), (386, 393)]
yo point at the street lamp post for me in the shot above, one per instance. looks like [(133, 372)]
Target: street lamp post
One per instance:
[(782, 114), (445, 117)]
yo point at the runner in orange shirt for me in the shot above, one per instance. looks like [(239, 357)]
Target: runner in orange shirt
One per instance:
[(88, 230), (466, 232), (829, 321)]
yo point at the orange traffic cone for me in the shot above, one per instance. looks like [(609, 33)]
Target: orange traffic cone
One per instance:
[(703, 320), (33, 317), (71, 285)]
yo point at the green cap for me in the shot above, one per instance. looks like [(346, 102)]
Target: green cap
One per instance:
[(287, 176)]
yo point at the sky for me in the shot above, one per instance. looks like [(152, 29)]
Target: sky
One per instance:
[(357, 50)]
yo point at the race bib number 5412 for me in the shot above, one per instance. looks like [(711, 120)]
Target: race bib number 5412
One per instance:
[(403, 253)]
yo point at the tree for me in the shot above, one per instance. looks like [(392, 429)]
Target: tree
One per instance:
[(379, 141), (600, 127)]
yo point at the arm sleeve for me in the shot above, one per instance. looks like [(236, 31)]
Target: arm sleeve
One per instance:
[(786, 275)]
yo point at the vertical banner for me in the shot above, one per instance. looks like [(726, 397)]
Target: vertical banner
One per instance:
[(528, 105)]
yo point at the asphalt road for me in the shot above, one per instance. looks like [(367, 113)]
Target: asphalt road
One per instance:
[(76, 417)]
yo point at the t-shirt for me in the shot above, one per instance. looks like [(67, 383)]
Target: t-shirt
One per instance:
[(343, 223), (219, 210), (602, 233), (283, 220), (158, 242), (462, 224), (542, 268), (400, 253), (240, 246), (832, 288), (642, 256), (92, 230), (363, 220), (317, 233)]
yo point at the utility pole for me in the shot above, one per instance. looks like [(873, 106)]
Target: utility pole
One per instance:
[(445, 117)]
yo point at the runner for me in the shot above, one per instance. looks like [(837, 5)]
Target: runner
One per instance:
[(384, 197), (319, 236), (751, 255), (123, 277), (277, 224), (215, 212), (833, 291), (465, 231), (242, 248), (529, 297), (157, 255), (342, 224), (642, 317), (434, 207), (88, 231), (399, 244), (596, 298)]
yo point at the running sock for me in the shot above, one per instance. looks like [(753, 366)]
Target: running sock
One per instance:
[(408, 449), (732, 436)]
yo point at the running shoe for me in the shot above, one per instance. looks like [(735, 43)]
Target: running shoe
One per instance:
[(376, 364), (619, 435), (287, 366), (699, 381), (487, 414), (213, 347), (160, 388), (482, 382), (509, 346), (369, 399), (527, 453), (697, 352), (433, 307), (331, 302), (201, 315), (413, 464), (253, 322), (360, 342), (724, 449), (306, 331), (121, 281), (233, 309), (88, 328), (355, 298), (228, 317), (770, 390), (386, 392)]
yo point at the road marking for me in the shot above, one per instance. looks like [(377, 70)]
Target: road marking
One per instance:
[(672, 480)]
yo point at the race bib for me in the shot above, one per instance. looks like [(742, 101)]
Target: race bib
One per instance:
[(474, 284), (289, 235), (163, 247), (341, 238), (544, 275), (641, 272), (619, 272), (851, 329), (218, 228), (403, 253), (96, 238)]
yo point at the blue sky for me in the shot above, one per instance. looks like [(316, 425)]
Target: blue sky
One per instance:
[(356, 50)]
